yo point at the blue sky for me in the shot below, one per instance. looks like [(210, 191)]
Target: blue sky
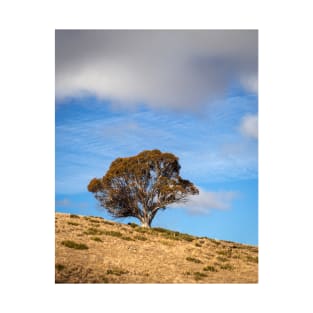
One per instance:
[(113, 104)]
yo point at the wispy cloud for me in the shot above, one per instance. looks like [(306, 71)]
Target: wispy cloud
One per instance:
[(164, 69), (207, 201), (210, 149), (249, 126), (66, 203)]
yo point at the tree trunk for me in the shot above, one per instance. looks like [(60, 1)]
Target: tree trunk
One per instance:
[(146, 223)]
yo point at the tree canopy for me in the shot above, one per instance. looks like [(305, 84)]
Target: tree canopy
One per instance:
[(139, 186)]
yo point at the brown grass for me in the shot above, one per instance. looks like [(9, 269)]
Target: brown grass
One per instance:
[(119, 253)]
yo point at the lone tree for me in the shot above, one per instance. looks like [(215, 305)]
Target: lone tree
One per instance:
[(140, 185)]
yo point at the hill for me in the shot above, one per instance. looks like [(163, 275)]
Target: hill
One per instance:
[(94, 250)]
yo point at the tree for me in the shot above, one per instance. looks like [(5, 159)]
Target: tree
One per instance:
[(141, 185)]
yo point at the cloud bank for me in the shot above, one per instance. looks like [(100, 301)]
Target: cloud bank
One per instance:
[(207, 201), (173, 69)]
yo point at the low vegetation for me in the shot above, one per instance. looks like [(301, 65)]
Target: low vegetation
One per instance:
[(253, 259), (96, 239), (74, 245), (101, 251), (59, 267), (210, 268), (228, 267), (190, 259), (74, 216), (117, 272), (199, 275)]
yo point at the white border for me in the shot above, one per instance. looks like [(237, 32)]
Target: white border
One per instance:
[(27, 160)]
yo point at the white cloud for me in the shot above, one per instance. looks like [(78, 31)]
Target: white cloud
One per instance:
[(250, 83), (178, 69), (66, 203), (208, 200), (249, 126)]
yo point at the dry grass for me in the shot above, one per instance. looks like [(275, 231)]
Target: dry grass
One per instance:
[(119, 253)]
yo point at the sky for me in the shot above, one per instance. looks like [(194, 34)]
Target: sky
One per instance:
[(191, 93)]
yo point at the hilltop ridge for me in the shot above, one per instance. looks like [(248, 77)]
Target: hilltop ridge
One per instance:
[(94, 250)]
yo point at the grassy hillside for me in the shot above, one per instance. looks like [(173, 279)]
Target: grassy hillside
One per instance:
[(94, 250)]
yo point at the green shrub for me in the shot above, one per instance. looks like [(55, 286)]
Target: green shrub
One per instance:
[(72, 223), (228, 267), (127, 238), (190, 259), (253, 259), (217, 243), (96, 239), (94, 221), (142, 230), (226, 253), (138, 237), (59, 267), (186, 237), (210, 268), (175, 235), (74, 245), (74, 216), (199, 275), (198, 245), (112, 233), (161, 230), (93, 231), (133, 225)]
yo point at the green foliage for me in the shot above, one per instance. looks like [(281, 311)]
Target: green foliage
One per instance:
[(174, 235), (140, 238), (222, 259), (253, 259), (59, 267), (93, 231), (142, 230), (198, 245), (72, 223), (210, 268), (94, 221), (199, 275), (216, 242), (228, 267), (227, 253), (133, 225), (112, 233), (191, 259), (127, 238), (74, 216), (74, 245), (96, 239)]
